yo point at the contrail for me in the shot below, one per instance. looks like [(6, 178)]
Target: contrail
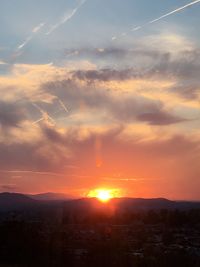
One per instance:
[(161, 17), (45, 116), (38, 28), (166, 15), (30, 37), (63, 106), (66, 17), (175, 11)]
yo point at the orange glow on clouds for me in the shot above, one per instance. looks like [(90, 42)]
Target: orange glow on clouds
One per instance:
[(103, 194)]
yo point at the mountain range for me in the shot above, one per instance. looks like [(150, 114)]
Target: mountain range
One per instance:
[(16, 201)]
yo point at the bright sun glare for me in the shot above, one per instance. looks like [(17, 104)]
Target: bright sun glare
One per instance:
[(103, 195)]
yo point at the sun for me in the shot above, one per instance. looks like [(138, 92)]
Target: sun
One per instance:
[(102, 194)]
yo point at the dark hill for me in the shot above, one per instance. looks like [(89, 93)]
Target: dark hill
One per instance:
[(13, 201), (51, 197)]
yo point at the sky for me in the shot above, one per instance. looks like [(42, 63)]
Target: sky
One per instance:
[(100, 94)]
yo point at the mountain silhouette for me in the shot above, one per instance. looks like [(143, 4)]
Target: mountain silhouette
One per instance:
[(51, 196), (16, 201), (13, 201)]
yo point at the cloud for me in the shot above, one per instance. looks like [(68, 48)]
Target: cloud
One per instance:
[(187, 90), (2, 62), (169, 57), (107, 95), (165, 163), (11, 115), (153, 45), (18, 173), (105, 110), (8, 187), (53, 135), (159, 118), (112, 53), (43, 156), (119, 108), (165, 160), (103, 75)]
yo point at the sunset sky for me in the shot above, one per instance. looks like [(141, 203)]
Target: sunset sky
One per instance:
[(100, 94)]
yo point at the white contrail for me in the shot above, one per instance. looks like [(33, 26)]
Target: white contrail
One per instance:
[(138, 28), (175, 11), (66, 17), (63, 106), (45, 116), (166, 15), (38, 28), (161, 17), (30, 37), (114, 38)]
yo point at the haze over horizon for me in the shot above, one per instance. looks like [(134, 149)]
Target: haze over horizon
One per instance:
[(100, 94)]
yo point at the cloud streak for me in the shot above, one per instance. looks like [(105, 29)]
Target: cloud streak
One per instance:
[(32, 172)]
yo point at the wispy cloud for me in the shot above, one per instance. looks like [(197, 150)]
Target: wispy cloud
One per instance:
[(2, 62), (66, 17), (32, 172), (127, 179)]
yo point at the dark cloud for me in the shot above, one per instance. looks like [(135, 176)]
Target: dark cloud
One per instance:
[(176, 148), (159, 118), (144, 63), (103, 75), (114, 53), (124, 109), (185, 62), (165, 161), (174, 161), (52, 135), (183, 66), (188, 90), (11, 114), (43, 155)]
